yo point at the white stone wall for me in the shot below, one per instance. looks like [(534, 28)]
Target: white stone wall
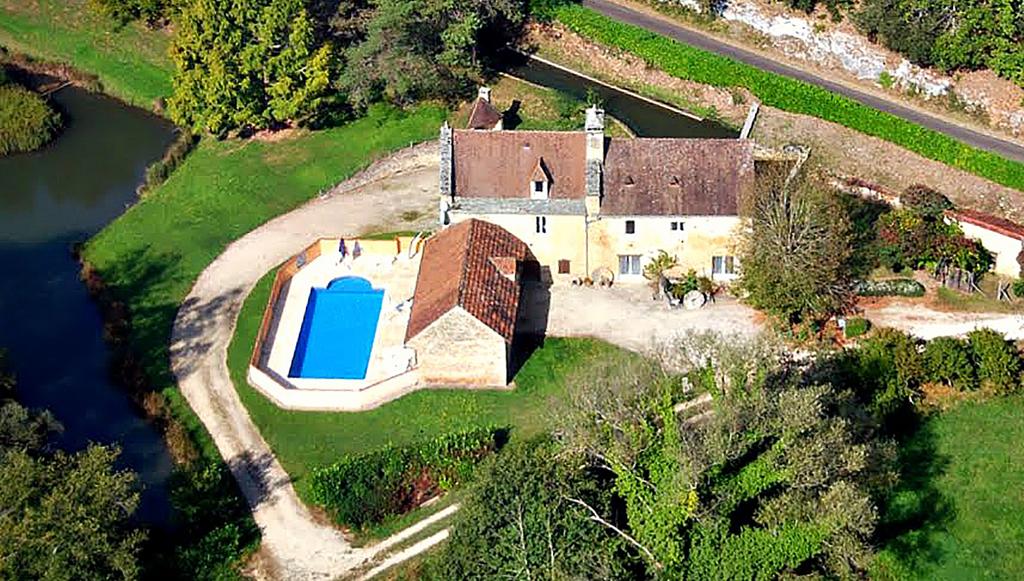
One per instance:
[(459, 350), (701, 238)]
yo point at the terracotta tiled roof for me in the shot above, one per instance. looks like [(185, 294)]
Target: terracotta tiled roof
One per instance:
[(457, 270), (993, 223), (483, 115), (676, 177), (498, 164)]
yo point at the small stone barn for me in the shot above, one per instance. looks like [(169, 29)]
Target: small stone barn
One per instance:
[(465, 305)]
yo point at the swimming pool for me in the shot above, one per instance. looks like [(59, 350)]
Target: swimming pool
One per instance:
[(336, 337)]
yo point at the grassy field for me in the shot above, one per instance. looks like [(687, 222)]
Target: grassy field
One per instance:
[(131, 61), (960, 510), (687, 62), (302, 440)]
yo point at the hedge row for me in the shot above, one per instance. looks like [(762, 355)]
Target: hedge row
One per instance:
[(687, 62), (893, 287), (366, 489)]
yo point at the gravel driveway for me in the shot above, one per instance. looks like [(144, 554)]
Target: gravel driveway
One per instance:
[(295, 545)]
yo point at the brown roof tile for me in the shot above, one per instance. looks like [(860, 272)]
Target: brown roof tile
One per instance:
[(483, 115), (457, 270), (499, 164), (993, 223), (676, 177)]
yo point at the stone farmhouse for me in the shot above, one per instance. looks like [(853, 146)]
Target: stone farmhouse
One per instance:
[(584, 203)]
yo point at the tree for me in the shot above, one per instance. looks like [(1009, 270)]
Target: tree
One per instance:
[(249, 64), (524, 519), (411, 49), (795, 251), (774, 475), (62, 516)]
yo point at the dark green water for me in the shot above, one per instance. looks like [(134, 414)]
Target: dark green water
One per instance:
[(49, 200), (644, 118)]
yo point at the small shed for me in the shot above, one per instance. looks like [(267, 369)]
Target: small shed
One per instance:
[(465, 305), (1002, 237)]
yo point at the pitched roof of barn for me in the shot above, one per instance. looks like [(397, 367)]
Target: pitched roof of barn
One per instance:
[(500, 164), (462, 266), (989, 222), (484, 115), (676, 177)]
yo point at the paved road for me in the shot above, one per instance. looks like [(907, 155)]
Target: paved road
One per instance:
[(685, 35)]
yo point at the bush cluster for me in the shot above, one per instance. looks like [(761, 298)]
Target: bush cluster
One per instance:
[(892, 287), (916, 238), (26, 121), (691, 63), (892, 366), (366, 489), (856, 326)]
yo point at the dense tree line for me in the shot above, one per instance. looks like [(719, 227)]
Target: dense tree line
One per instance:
[(254, 64), (64, 516), (953, 35), (780, 473)]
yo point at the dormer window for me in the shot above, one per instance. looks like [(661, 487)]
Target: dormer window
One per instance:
[(629, 181), (540, 181)]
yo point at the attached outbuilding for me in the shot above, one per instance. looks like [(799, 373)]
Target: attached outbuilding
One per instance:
[(465, 305), (1001, 237)]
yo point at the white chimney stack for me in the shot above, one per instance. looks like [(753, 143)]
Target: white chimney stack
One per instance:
[(484, 93)]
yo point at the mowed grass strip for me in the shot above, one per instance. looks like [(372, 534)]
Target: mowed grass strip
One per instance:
[(687, 62), (302, 440), (959, 513), (150, 256), (131, 61)]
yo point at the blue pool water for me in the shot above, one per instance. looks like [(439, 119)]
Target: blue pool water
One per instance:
[(337, 331)]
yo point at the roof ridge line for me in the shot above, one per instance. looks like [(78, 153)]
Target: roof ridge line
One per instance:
[(463, 278)]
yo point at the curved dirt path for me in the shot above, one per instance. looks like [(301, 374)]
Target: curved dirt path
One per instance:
[(295, 545)]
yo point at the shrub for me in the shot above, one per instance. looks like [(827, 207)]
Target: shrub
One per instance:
[(158, 171), (890, 370), (687, 62), (997, 362), (1018, 288), (948, 361), (892, 287), (26, 121), (925, 201), (856, 326), (368, 488)]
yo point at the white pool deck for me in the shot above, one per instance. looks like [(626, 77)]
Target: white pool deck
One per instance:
[(391, 372)]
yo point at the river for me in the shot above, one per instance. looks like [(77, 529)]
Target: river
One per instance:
[(53, 332)]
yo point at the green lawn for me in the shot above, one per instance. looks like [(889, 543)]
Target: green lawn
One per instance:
[(302, 440), (962, 500), (131, 61)]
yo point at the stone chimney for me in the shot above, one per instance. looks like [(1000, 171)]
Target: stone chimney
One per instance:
[(445, 165), (484, 93), (594, 126)]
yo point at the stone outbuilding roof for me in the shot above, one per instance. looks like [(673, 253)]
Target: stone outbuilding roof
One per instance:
[(484, 115), (676, 177), (469, 265), (989, 222), (500, 164)]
